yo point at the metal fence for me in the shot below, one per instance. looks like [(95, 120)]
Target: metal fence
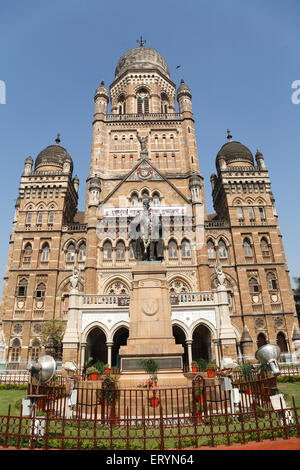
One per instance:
[(103, 399), (144, 433)]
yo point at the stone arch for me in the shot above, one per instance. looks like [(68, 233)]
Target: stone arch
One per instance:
[(202, 336), (281, 341), (95, 337), (112, 284), (180, 335), (179, 284), (119, 338)]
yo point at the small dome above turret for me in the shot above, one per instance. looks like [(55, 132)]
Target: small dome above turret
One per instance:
[(102, 91), (95, 183), (183, 89), (53, 157)]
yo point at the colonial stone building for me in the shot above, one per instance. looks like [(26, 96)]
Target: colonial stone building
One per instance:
[(144, 146)]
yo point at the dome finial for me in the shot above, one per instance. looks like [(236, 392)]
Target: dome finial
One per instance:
[(141, 41), (57, 140), (229, 136)]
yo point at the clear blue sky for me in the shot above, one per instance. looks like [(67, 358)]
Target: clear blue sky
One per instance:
[(239, 58)]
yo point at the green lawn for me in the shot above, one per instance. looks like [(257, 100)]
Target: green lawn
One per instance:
[(11, 397), (289, 390)]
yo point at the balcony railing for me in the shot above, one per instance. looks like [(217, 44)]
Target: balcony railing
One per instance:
[(143, 117), (183, 298)]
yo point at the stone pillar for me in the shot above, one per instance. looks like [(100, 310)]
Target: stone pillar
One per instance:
[(109, 348), (227, 335), (71, 339), (190, 357)]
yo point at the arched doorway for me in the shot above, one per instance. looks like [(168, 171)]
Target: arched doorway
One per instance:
[(261, 340), (96, 345), (119, 339), (201, 346), (282, 342), (180, 338)]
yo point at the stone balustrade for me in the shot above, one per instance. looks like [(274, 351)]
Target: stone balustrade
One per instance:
[(114, 300)]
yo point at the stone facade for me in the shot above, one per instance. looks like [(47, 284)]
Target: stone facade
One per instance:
[(50, 236)]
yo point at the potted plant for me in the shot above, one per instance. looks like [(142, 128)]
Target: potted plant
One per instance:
[(87, 363), (100, 368), (246, 369), (202, 364), (199, 394), (211, 369), (194, 366), (109, 391), (107, 369), (151, 367), (92, 373)]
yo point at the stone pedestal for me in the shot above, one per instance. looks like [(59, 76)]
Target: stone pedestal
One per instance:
[(227, 335), (150, 333), (71, 339)]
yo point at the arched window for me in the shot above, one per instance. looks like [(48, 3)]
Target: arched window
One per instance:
[(15, 351), (134, 200), (186, 249), (164, 103), (142, 101), (261, 340), (40, 218), (107, 250), (115, 143), (120, 252), (253, 285), (122, 105), (82, 252), (145, 194), (264, 246), (272, 281), (45, 253), (211, 252), (28, 218), (222, 249), (27, 253), (35, 350), (70, 257), (172, 247), (40, 290), (131, 252), (22, 288), (247, 248), (50, 217), (155, 200)]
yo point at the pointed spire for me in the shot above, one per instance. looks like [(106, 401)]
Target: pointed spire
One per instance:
[(57, 140)]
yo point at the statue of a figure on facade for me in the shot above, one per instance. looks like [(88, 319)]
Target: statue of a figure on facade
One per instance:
[(143, 142), (220, 276), (145, 232), (75, 278)]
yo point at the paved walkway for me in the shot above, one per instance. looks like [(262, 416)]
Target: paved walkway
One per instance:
[(292, 443)]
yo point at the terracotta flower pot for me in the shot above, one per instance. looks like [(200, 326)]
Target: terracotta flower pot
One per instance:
[(194, 368), (154, 402), (94, 376), (107, 371), (211, 373)]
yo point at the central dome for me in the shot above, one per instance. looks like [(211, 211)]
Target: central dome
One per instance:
[(141, 58)]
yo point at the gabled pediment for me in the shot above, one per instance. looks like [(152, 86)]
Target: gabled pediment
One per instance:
[(145, 171)]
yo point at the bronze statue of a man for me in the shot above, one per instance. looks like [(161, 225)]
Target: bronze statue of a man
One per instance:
[(145, 232)]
